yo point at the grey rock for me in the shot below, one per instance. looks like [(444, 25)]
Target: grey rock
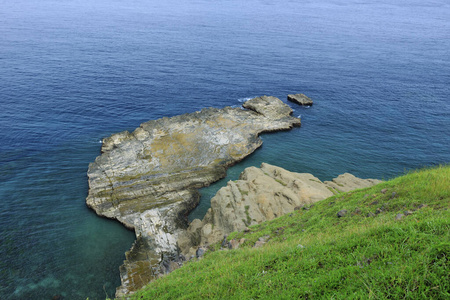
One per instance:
[(173, 266), (383, 191), (259, 244), (224, 242), (408, 212), (264, 238), (300, 99), (200, 252), (399, 216), (342, 213), (234, 244)]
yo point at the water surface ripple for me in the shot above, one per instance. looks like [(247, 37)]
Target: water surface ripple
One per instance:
[(75, 71)]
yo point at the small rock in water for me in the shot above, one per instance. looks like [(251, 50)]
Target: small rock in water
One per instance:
[(341, 213), (300, 99)]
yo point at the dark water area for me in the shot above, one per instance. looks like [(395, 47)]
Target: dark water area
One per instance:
[(74, 71)]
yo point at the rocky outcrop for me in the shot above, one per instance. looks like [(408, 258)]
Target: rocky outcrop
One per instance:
[(347, 182), (259, 195), (148, 179), (300, 99)]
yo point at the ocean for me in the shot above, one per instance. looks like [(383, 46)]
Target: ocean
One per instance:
[(75, 71)]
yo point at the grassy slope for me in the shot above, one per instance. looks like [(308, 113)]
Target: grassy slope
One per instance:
[(313, 254)]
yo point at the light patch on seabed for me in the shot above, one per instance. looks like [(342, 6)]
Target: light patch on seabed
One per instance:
[(48, 282)]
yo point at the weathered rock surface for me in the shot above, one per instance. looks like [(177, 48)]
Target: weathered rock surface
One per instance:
[(148, 179), (347, 182), (300, 99), (259, 195)]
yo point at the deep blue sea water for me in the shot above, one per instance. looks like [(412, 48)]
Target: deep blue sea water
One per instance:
[(75, 71)]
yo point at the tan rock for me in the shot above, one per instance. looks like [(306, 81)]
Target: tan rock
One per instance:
[(348, 182), (259, 195)]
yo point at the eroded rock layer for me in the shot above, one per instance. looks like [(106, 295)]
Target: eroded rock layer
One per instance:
[(259, 195), (148, 179)]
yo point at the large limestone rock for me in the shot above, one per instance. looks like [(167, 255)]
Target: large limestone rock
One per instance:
[(259, 195), (148, 179)]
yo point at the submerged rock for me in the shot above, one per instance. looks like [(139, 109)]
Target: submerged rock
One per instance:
[(149, 179)]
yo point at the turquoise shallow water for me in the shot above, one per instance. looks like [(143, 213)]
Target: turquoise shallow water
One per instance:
[(75, 71)]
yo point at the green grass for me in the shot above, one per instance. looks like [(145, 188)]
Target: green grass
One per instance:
[(313, 254)]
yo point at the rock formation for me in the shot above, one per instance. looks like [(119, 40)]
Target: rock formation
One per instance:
[(259, 195), (300, 99), (148, 179)]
